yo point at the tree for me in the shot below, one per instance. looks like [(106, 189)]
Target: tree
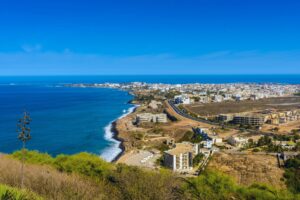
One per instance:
[(23, 131)]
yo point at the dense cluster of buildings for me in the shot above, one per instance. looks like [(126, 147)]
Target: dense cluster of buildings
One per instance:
[(206, 93), (210, 92), (258, 119), (180, 157)]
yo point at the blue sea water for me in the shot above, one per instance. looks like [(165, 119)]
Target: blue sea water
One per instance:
[(71, 120), (64, 120)]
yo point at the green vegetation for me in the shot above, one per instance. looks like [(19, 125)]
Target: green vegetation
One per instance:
[(293, 137), (265, 143), (292, 174), (143, 98), (265, 140), (190, 136), (172, 94), (96, 179), (162, 147), (9, 193), (34, 157), (83, 163), (197, 159), (297, 94), (215, 185)]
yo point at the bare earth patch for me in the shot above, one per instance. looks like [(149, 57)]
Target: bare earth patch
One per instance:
[(249, 169), (277, 103)]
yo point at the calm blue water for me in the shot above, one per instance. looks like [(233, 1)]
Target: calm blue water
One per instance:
[(71, 120), (64, 120)]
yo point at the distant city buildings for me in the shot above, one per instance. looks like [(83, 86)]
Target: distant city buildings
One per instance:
[(182, 99), (259, 118), (206, 93)]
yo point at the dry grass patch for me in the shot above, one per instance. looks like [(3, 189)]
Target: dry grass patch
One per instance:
[(249, 169), (50, 183)]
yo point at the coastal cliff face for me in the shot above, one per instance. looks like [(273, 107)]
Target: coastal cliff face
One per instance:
[(124, 128)]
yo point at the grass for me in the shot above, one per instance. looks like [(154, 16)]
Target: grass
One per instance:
[(49, 183), (10, 193), (85, 176)]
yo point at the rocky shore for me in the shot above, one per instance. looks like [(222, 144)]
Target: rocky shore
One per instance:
[(120, 129)]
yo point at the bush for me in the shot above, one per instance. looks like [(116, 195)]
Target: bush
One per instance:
[(217, 186), (34, 157), (101, 179), (263, 192), (83, 163), (292, 174), (209, 185), (197, 159), (9, 193), (190, 136)]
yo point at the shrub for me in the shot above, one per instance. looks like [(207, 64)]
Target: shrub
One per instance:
[(9, 193), (83, 163), (34, 157), (292, 174), (264, 192), (209, 185), (197, 159)]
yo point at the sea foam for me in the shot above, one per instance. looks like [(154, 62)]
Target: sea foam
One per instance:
[(110, 153)]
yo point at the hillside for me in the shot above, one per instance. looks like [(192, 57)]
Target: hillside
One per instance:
[(85, 176), (249, 169)]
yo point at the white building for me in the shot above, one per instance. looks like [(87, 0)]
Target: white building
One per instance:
[(237, 141), (184, 99), (180, 158)]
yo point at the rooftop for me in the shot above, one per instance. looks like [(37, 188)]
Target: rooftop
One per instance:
[(181, 148)]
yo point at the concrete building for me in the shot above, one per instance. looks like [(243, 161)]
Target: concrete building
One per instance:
[(237, 141), (180, 158), (207, 144), (149, 117), (182, 99), (215, 139), (225, 117), (253, 120)]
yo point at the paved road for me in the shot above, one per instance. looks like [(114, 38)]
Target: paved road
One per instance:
[(179, 112)]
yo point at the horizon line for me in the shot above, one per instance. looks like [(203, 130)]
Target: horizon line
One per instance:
[(52, 75)]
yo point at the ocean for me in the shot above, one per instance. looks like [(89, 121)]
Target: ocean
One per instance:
[(71, 120), (64, 120)]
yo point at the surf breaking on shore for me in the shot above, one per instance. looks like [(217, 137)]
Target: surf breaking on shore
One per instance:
[(110, 153)]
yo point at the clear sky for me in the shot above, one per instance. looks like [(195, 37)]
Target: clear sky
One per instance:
[(89, 37)]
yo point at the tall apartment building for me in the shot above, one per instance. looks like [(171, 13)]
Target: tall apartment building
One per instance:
[(180, 158)]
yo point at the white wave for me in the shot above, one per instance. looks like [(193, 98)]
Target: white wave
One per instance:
[(110, 153)]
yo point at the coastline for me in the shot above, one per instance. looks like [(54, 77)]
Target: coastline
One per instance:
[(112, 134)]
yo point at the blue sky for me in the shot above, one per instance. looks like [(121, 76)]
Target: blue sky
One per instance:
[(88, 37)]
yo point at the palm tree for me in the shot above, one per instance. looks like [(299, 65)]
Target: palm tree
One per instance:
[(23, 130)]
